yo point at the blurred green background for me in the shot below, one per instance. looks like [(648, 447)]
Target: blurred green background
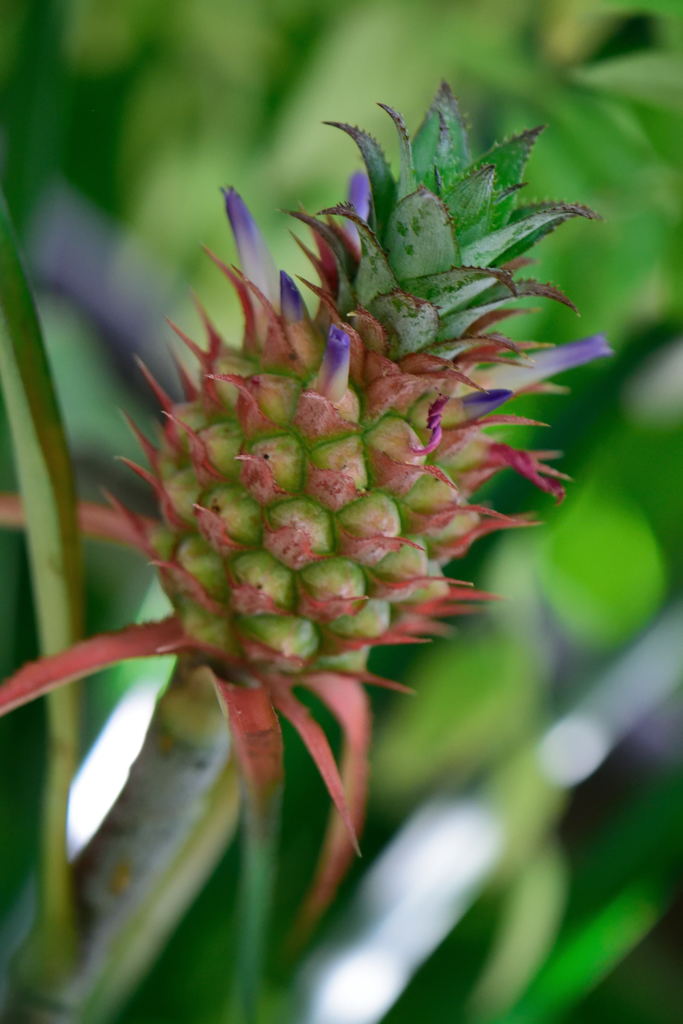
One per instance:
[(558, 711)]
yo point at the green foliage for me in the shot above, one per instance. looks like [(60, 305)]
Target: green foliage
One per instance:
[(151, 107)]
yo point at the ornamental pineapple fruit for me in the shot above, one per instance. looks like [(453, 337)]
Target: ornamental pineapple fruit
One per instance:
[(314, 484)]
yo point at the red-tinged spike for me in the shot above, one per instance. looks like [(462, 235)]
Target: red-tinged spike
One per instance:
[(318, 747), (130, 524), (39, 677), (237, 280), (444, 610), (188, 385), (327, 299), (372, 331), (421, 625), (485, 510), (150, 452), (325, 248), (257, 739), (216, 343), (378, 365), (329, 609), (495, 317), (343, 237), (497, 340), (348, 702), (343, 644), (440, 475), (203, 357), (167, 509), (469, 594), (430, 523), (329, 283), (328, 261), (395, 636), (213, 529), (528, 466), (277, 352), (251, 419), (397, 477), (270, 658), (508, 419), (160, 394), (459, 547), (367, 677), (427, 365), (189, 585), (117, 525), (206, 473), (369, 550)]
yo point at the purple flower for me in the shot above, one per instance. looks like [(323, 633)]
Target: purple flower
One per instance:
[(434, 416), (291, 304), (549, 362), (333, 378), (481, 403), (359, 198), (255, 259), (359, 194), (476, 405)]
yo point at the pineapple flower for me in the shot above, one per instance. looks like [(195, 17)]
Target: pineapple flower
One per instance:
[(313, 485)]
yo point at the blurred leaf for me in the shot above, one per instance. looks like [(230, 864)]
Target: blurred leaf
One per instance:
[(474, 695), (621, 888), (601, 566), (644, 6), (649, 77), (582, 958), (530, 917), (42, 457), (46, 484)]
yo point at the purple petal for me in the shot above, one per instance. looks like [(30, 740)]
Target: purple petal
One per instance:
[(291, 304), (481, 403), (255, 259), (359, 194), (549, 362), (434, 416), (359, 198), (333, 378)]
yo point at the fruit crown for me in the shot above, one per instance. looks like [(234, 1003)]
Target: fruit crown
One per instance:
[(427, 254)]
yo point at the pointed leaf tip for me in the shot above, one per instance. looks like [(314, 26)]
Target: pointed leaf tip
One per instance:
[(382, 184), (318, 747), (39, 677)]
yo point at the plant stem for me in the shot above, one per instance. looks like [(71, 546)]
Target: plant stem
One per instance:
[(148, 827), (138, 944)]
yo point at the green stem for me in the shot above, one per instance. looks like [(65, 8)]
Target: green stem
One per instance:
[(47, 488), (259, 860), (117, 877), (56, 931)]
